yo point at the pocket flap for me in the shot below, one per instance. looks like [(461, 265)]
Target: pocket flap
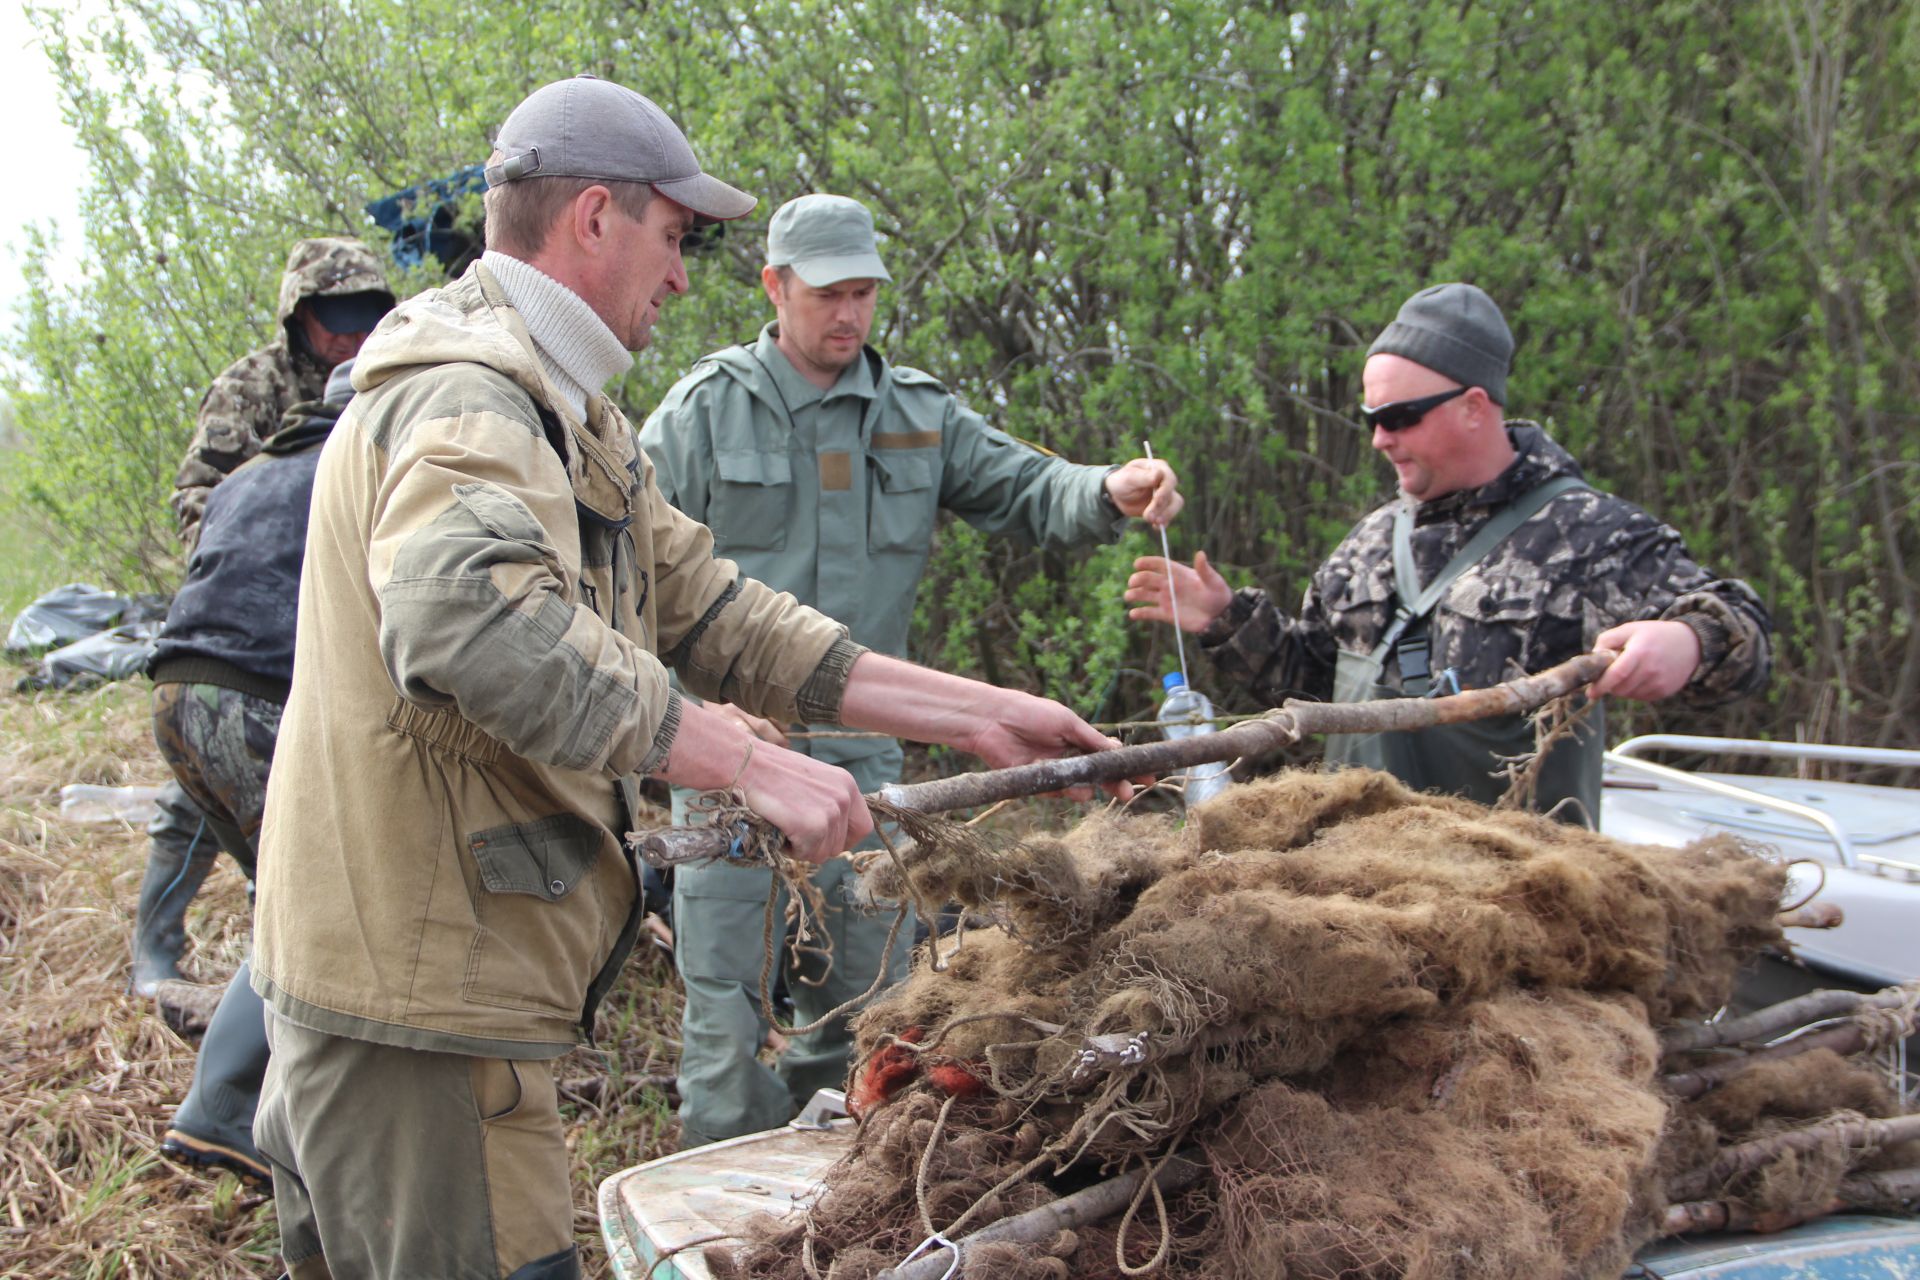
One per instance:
[(902, 474), (503, 515), (546, 858), (746, 467)]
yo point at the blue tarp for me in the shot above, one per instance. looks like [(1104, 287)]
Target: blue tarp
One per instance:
[(421, 219)]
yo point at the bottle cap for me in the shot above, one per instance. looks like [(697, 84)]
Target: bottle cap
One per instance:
[(1173, 680)]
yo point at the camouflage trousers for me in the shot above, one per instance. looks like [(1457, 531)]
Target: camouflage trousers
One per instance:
[(219, 743)]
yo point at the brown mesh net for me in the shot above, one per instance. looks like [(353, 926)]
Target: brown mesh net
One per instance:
[(1403, 1035)]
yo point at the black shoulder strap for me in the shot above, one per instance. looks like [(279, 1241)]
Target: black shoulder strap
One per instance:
[(1414, 601)]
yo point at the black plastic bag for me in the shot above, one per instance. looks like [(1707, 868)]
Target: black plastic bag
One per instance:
[(110, 655), (64, 615)]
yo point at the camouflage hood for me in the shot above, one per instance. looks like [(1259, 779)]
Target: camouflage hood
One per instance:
[(327, 267)]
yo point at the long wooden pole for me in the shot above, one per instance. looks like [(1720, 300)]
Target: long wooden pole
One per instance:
[(1291, 722)]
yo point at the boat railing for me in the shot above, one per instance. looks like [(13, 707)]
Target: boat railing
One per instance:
[(1626, 756)]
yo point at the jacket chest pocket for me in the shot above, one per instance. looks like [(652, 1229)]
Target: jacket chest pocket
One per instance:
[(902, 503), (543, 928), (752, 500)]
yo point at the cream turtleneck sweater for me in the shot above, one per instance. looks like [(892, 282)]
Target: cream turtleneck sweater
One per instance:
[(577, 351)]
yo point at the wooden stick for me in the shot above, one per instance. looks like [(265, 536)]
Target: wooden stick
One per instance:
[(1748, 1156), (1777, 1019), (1293, 721), (970, 790), (1395, 715), (1889, 1189), (1846, 1039), (1697, 1216), (1099, 1201)]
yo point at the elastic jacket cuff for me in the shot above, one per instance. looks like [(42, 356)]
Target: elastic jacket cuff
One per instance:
[(663, 736), (1714, 640), (1240, 609), (820, 697)]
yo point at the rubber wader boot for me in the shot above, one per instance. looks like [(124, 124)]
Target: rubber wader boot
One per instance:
[(214, 1125), (181, 848)]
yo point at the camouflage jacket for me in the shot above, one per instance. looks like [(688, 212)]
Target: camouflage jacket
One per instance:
[(245, 404), (1587, 562)]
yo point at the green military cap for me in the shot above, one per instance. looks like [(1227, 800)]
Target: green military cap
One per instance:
[(825, 239)]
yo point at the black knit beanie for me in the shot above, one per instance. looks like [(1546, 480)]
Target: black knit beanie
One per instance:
[(1453, 329)]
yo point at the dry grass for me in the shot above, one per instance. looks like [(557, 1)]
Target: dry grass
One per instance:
[(91, 1075)]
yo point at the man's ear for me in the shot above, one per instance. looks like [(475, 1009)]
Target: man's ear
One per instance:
[(1485, 410), (591, 211), (770, 281)]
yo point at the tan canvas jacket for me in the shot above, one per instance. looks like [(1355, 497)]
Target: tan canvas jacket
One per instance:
[(491, 596)]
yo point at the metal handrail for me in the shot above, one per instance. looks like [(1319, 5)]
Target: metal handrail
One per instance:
[(1745, 795), (1898, 757)]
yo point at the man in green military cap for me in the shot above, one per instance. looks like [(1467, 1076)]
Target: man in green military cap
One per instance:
[(820, 469)]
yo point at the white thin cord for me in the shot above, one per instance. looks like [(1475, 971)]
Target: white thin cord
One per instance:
[(1173, 602)]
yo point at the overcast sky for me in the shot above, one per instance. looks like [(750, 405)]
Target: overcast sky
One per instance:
[(47, 168)]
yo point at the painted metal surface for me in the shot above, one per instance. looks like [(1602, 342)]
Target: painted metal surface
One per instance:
[(1847, 1247), (653, 1217)]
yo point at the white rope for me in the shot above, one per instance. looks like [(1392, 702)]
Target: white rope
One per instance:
[(1173, 601)]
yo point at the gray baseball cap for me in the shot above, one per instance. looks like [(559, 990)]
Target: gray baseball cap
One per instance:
[(1455, 329), (592, 128), (825, 239)]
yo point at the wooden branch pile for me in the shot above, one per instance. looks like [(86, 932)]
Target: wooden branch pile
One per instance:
[(1701, 1057), (1844, 1021)]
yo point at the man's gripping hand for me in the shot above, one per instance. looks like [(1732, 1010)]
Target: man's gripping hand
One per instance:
[(1148, 489), (1656, 660), (817, 807), (761, 728), (1021, 729)]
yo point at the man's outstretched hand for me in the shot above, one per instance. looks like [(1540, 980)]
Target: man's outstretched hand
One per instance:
[(1201, 594)]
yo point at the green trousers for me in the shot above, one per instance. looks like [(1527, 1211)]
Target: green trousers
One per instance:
[(719, 931), (403, 1164)]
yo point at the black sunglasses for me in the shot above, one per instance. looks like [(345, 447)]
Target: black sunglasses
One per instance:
[(1402, 414)]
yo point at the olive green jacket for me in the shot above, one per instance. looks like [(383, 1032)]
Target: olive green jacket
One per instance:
[(841, 511), (492, 595)]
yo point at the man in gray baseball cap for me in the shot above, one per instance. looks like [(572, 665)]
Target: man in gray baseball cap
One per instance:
[(595, 129), (821, 470), (1496, 558), (494, 595)]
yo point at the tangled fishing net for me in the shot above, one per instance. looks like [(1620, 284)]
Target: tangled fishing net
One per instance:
[(1400, 1036)]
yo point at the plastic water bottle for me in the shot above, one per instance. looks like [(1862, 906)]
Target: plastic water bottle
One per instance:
[(1186, 713), (85, 802)]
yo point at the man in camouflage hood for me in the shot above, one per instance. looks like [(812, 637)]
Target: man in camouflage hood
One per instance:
[(1496, 559), (331, 296)]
